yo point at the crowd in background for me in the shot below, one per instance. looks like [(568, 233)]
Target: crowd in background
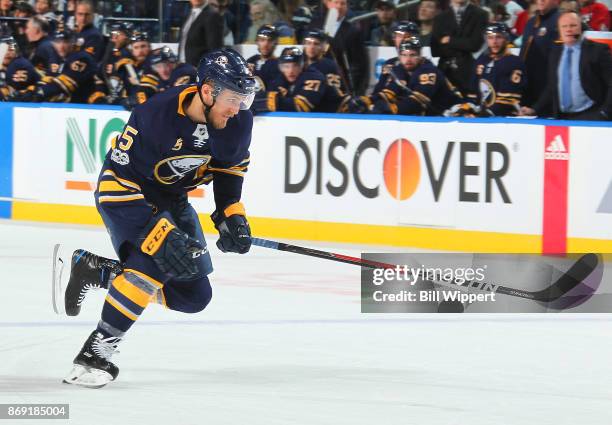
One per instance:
[(69, 51)]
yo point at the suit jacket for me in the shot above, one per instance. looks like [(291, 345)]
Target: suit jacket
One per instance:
[(205, 34), (349, 42), (456, 58), (595, 77)]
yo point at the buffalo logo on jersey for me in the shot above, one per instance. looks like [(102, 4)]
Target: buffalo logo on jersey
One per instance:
[(173, 169), (487, 92)]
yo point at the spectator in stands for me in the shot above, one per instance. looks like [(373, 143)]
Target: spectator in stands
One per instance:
[(458, 34), (579, 77), (22, 10), (88, 38), (380, 29), (595, 15), (201, 32), (265, 65), (428, 10), (538, 39), (348, 47), (41, 52), (44, 8), (262, 13), (513, 9), (6, 7), (523, 17)]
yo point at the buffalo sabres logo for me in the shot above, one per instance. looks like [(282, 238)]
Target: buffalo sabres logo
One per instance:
[(221, 61), (487, 92), (173, 169)]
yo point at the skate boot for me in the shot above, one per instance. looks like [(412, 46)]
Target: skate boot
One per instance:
[(92, 367), (88, 271)]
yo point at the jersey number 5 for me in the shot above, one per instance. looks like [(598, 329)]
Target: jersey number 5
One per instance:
[(126, 139)]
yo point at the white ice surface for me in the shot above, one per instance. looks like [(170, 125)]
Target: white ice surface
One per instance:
[(283, 342)]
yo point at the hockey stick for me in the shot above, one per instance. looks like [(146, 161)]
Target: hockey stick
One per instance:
[(580, 270)]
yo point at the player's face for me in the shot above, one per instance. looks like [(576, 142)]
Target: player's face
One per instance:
[(9, 54), (409, 59), (399, 37), (6, 4), (496, 43), (140, 50), (313, 49), (42, 6), (569, 28), (291, 71), (164, 69), (265, 46), (227, 105)]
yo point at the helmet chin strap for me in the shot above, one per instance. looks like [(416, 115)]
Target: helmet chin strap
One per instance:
[(206, 108)]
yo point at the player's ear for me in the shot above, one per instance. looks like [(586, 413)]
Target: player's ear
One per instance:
[(206, 91)]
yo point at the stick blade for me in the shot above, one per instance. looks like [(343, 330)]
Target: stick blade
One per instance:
[(56, 281)]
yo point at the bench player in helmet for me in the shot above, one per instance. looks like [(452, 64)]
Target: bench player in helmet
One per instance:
[(297, 89), (499, 77), (264, 65), (178, 140), (315, 46), (402, 31), (116, 50), (166, 72), (129, 71), (76, 81), (16, 72), (414, 87)]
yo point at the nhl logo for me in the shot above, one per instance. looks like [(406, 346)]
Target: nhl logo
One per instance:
[(542, 32), (221, 61)]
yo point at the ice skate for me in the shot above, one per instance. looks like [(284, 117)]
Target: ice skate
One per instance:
[(88, 271), (92, 367)]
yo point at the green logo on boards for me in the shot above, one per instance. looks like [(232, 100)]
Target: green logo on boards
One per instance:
[(91, 151)]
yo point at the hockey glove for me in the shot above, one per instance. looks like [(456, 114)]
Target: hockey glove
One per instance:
[(234, 230), (174, 251), (32, 94), (359, 105)]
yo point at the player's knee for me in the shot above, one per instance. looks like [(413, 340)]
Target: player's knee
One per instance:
[(200, 297)]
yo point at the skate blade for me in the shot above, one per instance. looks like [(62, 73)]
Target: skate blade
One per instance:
[(87, 377), (57, 294)]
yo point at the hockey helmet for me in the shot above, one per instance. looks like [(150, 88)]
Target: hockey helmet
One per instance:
[(124, 27), (498, 28), (227, 69), (291, 55), (163, 54), (412, 44), (267, 31), (316, 34), (406, 27), (139, 36)]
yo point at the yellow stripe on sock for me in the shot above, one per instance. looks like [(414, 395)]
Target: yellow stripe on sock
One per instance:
[(131, 291)]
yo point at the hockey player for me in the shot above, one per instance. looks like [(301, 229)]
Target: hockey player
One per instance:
[(41, 52), (180, 139), (166, 73), (129, 71), (499, 77), (16, 72), (76, 81), (265, 65), (315, 46), (297, 89), (402, 31), (414, 87)]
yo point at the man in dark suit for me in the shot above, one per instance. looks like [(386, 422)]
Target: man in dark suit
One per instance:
[(458, 33), (347, 47), (539, 37), (579, 77), (201, 32)]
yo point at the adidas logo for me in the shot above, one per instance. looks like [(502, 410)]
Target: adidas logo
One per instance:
[(556, 149)]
